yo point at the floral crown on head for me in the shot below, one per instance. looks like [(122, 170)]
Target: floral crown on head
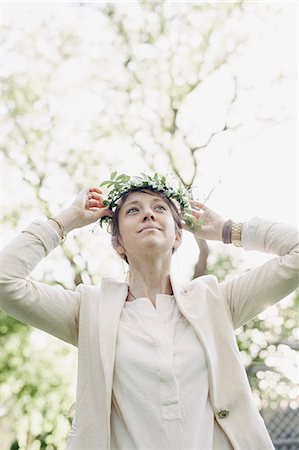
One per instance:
[(122, 184)]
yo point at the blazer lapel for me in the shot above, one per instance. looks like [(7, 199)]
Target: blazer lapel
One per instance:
[(112, 298), (194, 309)]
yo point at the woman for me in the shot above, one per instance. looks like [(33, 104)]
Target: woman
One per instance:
[(158, 366)]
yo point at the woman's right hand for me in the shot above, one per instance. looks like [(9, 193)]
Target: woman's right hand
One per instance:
[(86, 208)]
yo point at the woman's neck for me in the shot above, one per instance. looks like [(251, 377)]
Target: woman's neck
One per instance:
[(144, 284)]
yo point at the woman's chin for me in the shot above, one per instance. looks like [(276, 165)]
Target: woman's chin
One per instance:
[(153, 245)]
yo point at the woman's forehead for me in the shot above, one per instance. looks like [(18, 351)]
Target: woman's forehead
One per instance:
[(138, 195)]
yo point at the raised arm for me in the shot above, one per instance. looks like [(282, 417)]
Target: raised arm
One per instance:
[(251, 293), (50, 308), (254, 291)]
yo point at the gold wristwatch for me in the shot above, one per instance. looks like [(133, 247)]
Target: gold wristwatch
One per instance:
[(236, 234)]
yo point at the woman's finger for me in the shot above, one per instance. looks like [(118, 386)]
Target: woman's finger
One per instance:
[(197, 213), (94, 195), (95, 189), (198, 205), (92, 202)]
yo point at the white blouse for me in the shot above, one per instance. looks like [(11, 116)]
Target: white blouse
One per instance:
[(160, 397)]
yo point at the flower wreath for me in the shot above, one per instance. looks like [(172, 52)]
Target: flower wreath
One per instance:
[(121, 184)]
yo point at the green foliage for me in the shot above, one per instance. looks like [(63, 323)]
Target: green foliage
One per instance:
[(121, 184), (35, 392)]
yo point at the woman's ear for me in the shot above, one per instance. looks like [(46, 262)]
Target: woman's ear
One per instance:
[(177, 242), (178, 239), (117, 246)]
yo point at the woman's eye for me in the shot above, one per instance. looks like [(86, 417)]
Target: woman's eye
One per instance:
[(131, 209), (157, 206)]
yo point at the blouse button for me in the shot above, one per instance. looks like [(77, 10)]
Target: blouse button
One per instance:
[(223, 413)]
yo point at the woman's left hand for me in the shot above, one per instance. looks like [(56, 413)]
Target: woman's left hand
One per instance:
[(212, 222)]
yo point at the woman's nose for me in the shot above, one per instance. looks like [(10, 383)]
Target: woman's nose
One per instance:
[(148, 214)]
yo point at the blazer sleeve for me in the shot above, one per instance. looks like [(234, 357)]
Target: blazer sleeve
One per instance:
[(50, 308), (254, 291)]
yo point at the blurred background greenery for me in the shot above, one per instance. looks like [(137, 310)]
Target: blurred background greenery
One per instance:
[(201, 90)]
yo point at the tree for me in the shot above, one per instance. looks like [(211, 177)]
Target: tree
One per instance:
[(112, 76)]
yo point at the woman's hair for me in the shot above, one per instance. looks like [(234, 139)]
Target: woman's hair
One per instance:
[(114, 225)]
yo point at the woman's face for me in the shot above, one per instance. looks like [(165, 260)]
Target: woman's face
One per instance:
[(146, 225)]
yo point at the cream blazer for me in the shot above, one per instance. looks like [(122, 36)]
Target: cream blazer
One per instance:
[(88, 318)]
